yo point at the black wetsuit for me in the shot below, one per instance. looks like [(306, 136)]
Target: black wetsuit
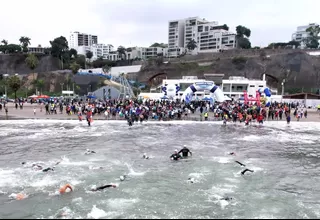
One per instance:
[(102, 187), (176, 156), (47, 169), (185, 152)]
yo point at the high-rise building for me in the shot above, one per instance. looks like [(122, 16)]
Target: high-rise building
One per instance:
[(301, 34), (209, 36), (78, 39)]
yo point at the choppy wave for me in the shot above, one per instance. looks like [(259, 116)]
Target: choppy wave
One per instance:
[(283, 157)]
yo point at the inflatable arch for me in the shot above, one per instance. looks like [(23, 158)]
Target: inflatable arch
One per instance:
[(266, 91), (170, 90), (215, 92)]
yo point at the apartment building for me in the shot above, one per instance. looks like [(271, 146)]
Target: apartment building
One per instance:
[(301, 34), (210, 37), (176, 37), (78, 39)]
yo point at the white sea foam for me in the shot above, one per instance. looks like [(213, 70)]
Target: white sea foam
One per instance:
[(97, 213)]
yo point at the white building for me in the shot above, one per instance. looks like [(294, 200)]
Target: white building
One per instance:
[(143, 53), (210, 37), (176, 35), (301, 34), (98, 50), (78, 39), (235, 86)]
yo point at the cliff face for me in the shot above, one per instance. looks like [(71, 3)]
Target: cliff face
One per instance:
[(299, 69), (15, 63)]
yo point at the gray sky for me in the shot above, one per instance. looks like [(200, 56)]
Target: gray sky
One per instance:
[(142, 22)]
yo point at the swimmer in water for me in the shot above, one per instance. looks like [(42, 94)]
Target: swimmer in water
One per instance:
[(227, 198), (122, 178), (103, 187), (19, 196), (243, 172), (48, 169), (191, 180), (175, 156), (241, 164), (64, 188), (90, 152), (232, 153), (145, 156), (185, 151)]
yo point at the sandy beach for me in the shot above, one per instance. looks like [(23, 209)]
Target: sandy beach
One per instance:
[(27, 113)]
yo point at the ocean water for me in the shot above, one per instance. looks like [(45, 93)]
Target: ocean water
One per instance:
[(284, 184)]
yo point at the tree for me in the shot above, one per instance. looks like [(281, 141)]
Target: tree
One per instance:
[(121, 51), (106, 68), (242, 36), (25, 42), (159, 45), (75, 67), (40, 84), (73, 52), (89, 54), (4, 42), (59, 47), (10, 48), (312, 40), (32, 62), (225, 27), (192, 44), (15, 84), (81, 60)]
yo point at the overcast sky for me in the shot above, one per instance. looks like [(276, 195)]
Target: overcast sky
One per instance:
[(143, 22)]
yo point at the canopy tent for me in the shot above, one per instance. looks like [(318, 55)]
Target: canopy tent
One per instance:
[(164, 97), (43, 97), (91, 97), (33, 96)]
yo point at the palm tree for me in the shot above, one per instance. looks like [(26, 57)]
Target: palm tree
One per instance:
[(74, 67), (4, 42), (25, 42), (121, 51), (15, 84), (32, 62), (192, 44)]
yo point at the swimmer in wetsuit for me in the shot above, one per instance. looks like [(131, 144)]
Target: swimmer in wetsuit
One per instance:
[(175, 156), (48, 169), (103, 187), (185, 151)]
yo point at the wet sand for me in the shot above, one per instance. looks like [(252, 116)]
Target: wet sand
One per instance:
[(27, 113)]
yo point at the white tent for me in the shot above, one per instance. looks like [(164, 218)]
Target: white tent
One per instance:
[(33, 96)]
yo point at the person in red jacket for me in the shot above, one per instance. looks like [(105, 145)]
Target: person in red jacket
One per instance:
[(260, 119)]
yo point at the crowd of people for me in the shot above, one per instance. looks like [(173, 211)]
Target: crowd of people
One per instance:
[(140, 110)]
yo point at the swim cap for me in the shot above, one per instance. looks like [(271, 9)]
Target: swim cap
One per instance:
[(175, 150)]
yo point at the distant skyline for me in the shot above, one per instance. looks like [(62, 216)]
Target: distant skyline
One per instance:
[(144, 22)]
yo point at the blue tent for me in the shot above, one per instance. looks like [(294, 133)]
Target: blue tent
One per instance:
[(207, 99), (163, 97), (91, 97)]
